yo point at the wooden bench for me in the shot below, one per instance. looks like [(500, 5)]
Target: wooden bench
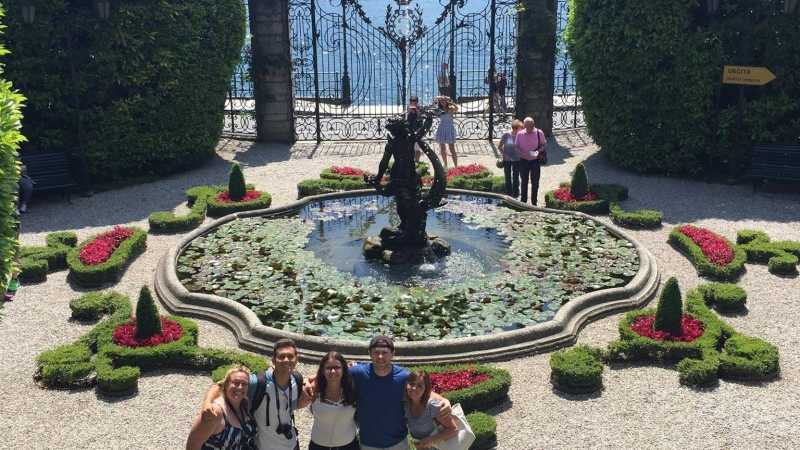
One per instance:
[(50, 172), (774, 162)]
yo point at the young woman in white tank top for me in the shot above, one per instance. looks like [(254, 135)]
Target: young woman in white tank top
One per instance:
[(334, 407)]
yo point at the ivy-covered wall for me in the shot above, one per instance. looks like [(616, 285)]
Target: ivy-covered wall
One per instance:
[(10, 138), (138, 94), (649, 75)]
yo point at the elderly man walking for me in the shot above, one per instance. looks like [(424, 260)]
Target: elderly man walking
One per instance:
[(530, 145)]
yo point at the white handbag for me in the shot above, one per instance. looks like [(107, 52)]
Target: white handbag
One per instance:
[(465, 436)]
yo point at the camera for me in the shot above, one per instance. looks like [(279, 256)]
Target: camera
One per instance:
[(285, 429)]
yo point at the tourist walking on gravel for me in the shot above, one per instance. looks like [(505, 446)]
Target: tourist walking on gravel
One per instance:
[(334, 407), (530, 144), (273, 397), (511, 158), (422, 411), (446, 133), (232, 429)]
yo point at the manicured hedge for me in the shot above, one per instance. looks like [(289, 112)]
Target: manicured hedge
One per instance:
[(781, 256), (485, 428), (116, 369), (729, 272), (658, 106), (219, 209), (640, 218), (110, 270), (308, 188), (720, 352), (11, 102), (36, 261), (599, 206), (481, 396), (149, 100), (484, 183), (577, 370), (168, 222), (724, 297)]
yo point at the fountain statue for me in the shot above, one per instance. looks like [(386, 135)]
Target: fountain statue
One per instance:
[(408, 243)]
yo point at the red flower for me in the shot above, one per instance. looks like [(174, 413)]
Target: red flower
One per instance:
[(224, 196), (452, 381), (471, 169), (691, 329), (100, 249), (345, 170), (125, 334), (715, 247), (563, 194), (427, 180)]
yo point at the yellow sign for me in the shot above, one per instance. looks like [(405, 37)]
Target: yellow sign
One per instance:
[(751, 76)]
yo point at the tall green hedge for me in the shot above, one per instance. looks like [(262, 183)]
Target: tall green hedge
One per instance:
[(649, 75), (10, 138), (149, 82)]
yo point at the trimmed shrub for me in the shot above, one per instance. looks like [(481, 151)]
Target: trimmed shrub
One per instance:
[(579, 186), (481, 396), (749, 358), (33, 270), (723, 296), (593, 207), (781, 257), (641, 218), (168, 222), (783, 264), (699, 372), (236, 185), (66, 365), (119, 381), (94, 305), (485, 428), (307, 188), (577, 370), (36, 261), (148, 321), (729, 272), (219, 209), (610, 191), (62, 238), (747, 236), (679, 53), (255, 364), (670, 309), (148, 107), (110, 270)]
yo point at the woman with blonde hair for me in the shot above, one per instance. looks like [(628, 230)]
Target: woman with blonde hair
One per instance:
[(422, 410), (446, 133), (236, 428)]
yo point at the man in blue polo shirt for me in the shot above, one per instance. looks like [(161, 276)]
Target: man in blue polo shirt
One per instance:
[(381, 388)]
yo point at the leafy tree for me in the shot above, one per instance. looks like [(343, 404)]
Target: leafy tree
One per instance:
[(670, 309), (148, 321)]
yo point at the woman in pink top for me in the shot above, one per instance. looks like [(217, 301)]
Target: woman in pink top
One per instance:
[(530, 146)]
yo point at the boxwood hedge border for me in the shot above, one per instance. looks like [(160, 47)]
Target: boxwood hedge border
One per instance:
[(37, 261), (705, 268), (577, 370), (782, 257), (109, 271), (638, 219)]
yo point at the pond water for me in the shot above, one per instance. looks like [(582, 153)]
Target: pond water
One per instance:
[(305, 273), (342, 225)]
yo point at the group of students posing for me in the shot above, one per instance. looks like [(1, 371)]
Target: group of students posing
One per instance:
[(524, 151), (366, 406)]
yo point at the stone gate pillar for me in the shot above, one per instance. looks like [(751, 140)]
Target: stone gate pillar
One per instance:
[(272, 70), (536, 58)]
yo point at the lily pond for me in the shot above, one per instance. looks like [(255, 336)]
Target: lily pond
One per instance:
[(305, 273)]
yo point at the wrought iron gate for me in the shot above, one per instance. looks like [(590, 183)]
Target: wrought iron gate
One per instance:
[(350, 74), (567, 110)]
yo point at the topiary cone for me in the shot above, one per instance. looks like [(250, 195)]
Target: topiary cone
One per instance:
[(236, 186), (579, 186), (670, 309), (148, 321)]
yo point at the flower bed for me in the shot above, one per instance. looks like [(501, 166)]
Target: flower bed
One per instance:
[(110, 269), (100, 249), (125, 334), (249, 196), (563, 194), (713, 246), (36, 261), (221, 205), (342, 172), (720, 352), (597, 206), (691, 329), (782, 257), (490, 391), (470, 171), (117, 368), (453, 381)]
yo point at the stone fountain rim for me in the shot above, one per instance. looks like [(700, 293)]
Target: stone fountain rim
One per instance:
[(560, 331)]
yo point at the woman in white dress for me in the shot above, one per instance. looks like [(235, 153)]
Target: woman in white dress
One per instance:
[(446, 133), (334, 407)]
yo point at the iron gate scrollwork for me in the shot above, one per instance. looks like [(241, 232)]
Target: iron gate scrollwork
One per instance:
[(350, 74), (567, 110)]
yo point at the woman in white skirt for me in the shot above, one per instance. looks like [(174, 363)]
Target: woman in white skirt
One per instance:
[(446, 133)]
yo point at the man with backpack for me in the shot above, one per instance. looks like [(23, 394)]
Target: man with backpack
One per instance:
[(273, 396)]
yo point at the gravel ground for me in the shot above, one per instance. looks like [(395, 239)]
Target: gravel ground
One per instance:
[(641, 406)]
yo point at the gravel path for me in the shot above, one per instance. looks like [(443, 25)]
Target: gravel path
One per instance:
[(641, 406)]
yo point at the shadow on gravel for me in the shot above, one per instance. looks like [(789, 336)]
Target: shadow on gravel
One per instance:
[(686, 201), (577, 397)]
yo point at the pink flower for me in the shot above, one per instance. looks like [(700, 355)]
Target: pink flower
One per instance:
[(471, 169), (125, 334), (691, 329), (225, 197), (565, 195), (100, 249), (452, 381), (345, 170), (715, 247)]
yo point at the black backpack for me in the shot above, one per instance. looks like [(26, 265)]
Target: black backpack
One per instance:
[(261, 391)]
